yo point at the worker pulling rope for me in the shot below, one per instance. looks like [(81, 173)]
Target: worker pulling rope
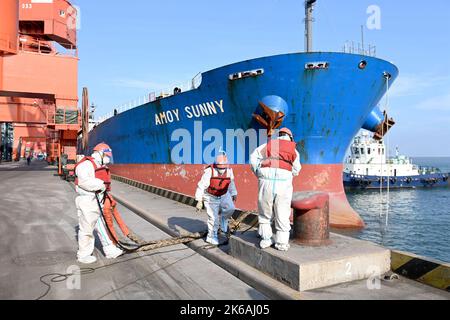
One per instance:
[(93, 178), (141, 245)]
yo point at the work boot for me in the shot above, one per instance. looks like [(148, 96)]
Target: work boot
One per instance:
[(87, 260), (282, 241), (112, 252), (264, 244), (214, 239), (282, 247)]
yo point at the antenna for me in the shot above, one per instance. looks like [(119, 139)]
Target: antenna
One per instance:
[(362, 40), (309, 8)]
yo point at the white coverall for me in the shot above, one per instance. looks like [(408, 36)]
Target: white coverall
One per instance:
[(215, 205), (274, 197), (89, 215)]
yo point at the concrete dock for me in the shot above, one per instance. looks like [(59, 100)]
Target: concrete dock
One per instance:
[(38, 233), (38, 236)]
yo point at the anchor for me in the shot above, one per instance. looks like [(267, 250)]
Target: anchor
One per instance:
[(270, 120)]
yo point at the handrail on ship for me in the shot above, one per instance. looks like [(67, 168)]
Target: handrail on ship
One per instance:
[(193, 84)]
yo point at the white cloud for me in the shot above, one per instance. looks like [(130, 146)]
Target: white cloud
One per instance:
[(138, 84), (412, 85), (437, 103)]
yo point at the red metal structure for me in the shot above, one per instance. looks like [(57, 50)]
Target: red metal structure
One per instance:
[(39, 75)]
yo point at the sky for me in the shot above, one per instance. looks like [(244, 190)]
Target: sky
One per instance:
[(130, 48)]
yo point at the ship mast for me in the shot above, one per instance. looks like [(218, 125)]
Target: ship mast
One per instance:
[(309, 7)]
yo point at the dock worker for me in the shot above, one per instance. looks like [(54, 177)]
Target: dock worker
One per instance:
[(90, 187), (216, 191), (276, 164), (28, 156)]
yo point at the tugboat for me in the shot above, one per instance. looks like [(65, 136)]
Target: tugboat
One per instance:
[(368, 167)]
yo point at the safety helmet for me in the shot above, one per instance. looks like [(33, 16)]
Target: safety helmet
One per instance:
[(104, 148), (286, 131), (221, 162)]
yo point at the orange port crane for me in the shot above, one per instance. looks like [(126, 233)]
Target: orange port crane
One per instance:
[(39, 77)]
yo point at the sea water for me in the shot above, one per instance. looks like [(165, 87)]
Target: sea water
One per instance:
[(416, 220)]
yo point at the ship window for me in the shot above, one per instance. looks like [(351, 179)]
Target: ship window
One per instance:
[(379, 151), (356, 151), (362, 151), (368, 151), (382, 151)]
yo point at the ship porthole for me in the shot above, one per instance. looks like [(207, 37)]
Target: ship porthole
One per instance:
[(362, 65)]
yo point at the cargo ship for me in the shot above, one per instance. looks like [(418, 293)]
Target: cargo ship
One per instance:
[(325, 98), (368, 167)]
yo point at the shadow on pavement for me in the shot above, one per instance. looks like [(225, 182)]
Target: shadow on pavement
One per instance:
[(22, 166), (191, 225)]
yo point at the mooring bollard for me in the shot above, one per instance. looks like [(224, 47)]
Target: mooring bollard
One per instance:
[(311, 218)]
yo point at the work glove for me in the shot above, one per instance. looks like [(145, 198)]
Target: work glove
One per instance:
[(199, 206)]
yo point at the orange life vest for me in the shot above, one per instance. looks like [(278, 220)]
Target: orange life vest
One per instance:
[(101, 173), (219, 184), (280, 154)]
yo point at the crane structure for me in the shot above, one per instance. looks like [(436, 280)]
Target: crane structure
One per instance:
[(39, 79)]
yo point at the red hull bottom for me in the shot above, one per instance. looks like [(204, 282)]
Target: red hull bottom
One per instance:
[(184, 179)]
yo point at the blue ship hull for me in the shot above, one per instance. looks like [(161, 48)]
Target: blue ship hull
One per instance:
[(325, 107)]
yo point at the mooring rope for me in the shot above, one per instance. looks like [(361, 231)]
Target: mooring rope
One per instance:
[(387, 153)]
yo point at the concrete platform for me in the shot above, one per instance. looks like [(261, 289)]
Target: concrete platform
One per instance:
[(305, 268)]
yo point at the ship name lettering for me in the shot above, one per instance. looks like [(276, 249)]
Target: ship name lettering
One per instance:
[(204, 109), (167, 117), (191, 112)]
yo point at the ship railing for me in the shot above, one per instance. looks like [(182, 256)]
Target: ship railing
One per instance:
[(193, 84), (358, 48)]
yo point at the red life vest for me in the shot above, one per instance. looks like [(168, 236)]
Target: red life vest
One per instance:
[(101, 173), (283, 158), (219, 184)]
